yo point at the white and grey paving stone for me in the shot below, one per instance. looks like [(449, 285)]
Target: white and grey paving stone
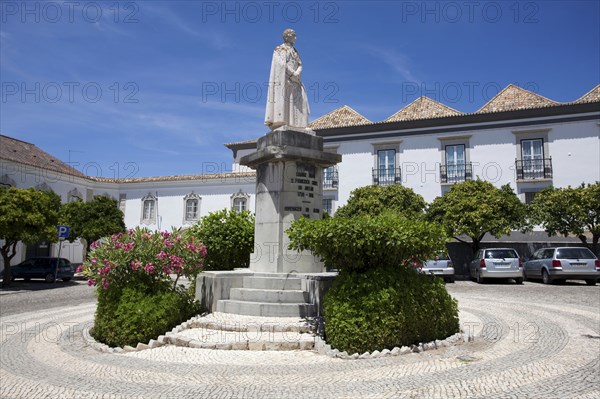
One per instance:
[(531, 341)]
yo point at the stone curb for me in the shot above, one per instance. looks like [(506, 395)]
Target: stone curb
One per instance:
[(153, 343), (459, 338), (320, 346)]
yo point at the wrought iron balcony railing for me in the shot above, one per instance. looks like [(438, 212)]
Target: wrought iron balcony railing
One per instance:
[(455, 173), (386, 176), (532, 169)]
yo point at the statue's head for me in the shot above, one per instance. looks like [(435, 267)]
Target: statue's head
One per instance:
[(289, 36)]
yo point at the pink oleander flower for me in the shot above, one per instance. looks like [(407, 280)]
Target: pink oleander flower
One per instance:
[(165, 234), (95, 245), (79, 269), (129, 246), (161, 256), (104, 283), (131, 232), (168, 244), (94, 261), (203, 250), (91, 282), (178, 238), (149, 268), (167, 269), (136, 264)]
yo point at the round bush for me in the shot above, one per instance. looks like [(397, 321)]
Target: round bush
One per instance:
[(229, 239), (135, 315), (387, 307)]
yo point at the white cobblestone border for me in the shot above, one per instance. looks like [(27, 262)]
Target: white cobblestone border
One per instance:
[(459, 338), (153, 343), (320, 346)]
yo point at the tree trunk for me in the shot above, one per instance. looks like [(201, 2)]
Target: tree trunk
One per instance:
[(5, 250)]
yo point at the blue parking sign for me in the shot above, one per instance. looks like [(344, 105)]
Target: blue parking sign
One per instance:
[(63, 232)]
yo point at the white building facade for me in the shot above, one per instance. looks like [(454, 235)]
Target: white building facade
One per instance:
[(518, 138)]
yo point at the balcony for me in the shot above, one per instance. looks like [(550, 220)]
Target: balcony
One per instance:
[(330, 178), (450, 174), (534, 169), (386, 176)]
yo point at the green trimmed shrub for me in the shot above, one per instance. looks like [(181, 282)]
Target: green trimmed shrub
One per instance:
[(229, 239), (379, 300), (387, 307), (365, 242), (374, 200), (135, 315)]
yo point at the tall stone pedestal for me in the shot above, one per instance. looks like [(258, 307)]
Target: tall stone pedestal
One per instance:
[(289, 185)]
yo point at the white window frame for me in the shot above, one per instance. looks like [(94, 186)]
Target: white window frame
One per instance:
[(187, 218), (74, 195), (532, 161), (6, 181), (239, 198), (150, 218)]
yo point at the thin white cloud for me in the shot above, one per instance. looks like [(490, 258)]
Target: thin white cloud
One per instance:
[(209, 36), (398, 62)]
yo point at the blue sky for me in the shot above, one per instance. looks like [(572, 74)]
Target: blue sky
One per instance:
[(149, 88)]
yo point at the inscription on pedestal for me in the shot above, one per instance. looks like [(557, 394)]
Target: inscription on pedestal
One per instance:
[(304, 183)]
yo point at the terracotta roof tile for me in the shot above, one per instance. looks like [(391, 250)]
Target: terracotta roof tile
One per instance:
[(26, 153), (513, 98), (591, 96), (215, 176), (340, 117), (423, 108)]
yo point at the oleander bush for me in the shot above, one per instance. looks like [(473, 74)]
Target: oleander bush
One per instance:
[(136, 275), (379, 300), (229, 239)]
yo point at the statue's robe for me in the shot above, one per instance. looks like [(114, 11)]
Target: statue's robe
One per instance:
[(287, 102)]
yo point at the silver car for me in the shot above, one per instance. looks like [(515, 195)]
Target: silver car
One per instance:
[(563, 263), (440, 266), (496, 263)]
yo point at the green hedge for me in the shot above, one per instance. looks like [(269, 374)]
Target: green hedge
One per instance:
[(365, 242), (229, 239), (387, 307), (135, 315)]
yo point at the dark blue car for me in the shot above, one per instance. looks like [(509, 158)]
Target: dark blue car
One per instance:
[(47, 268)]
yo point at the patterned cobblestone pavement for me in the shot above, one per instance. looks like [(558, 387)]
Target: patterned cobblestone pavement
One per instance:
[(532, 341)]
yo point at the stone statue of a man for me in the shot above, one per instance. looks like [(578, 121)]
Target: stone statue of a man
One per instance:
[(287, 102)]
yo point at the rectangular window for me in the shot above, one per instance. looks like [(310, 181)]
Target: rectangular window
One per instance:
[(529, 196), (455, 163), (330, 177), (532, 156), (148, 209), (386, 167), (239, 204), (191, 209), (328, 206)]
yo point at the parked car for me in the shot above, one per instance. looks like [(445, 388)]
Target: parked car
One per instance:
[(563, 263), (43, 267), (440, 266), (496, 263)]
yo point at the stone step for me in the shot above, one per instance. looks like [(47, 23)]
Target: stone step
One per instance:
[(265, 309), (271, 296), (270, 283), (203, 338), (243, 323)]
